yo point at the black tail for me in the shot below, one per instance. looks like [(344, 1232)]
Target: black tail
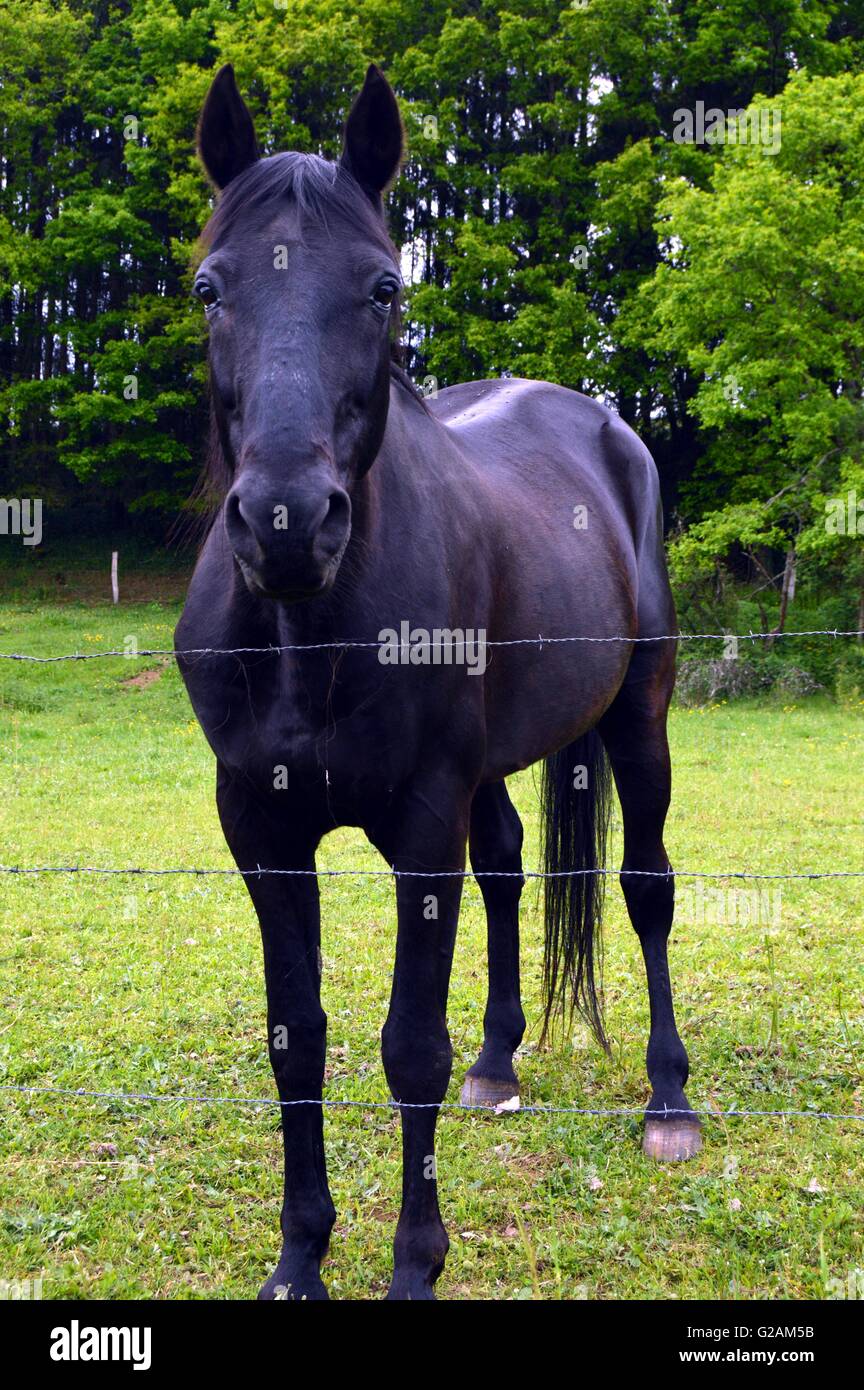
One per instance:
[(577, 797)]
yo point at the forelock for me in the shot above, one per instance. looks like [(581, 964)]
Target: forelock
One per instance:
[(320, 191)]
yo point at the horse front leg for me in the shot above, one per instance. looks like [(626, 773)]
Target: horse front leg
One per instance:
[(289, 916), (415, 1044)]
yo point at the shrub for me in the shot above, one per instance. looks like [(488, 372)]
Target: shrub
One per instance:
[(849, 680), (701, 681)]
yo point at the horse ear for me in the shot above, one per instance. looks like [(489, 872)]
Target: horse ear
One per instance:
[(226, 135), (374, 135)]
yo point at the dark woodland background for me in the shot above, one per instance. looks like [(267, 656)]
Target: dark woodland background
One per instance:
[(553, 227)]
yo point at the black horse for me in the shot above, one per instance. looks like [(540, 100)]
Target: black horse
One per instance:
[(352, 511)]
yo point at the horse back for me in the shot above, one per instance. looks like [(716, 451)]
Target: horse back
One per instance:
[(560, 456)]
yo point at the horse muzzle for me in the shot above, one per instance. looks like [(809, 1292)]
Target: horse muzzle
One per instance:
[(288, 546)]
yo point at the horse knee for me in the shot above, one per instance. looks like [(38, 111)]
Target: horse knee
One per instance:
[(417, 1061), (297, 1049)]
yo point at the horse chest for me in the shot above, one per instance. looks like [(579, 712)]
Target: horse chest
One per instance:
[(347, 765)]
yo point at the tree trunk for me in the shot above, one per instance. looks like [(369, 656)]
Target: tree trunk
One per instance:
[(787, 593)]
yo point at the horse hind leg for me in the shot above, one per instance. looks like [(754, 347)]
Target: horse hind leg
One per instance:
[(495, 843), (634, 732)]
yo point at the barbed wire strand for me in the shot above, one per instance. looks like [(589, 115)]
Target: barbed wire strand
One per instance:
[(502, 1109), (381, 644), (134, 871)]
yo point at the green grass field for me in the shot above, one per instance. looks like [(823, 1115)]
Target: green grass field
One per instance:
[(147, 984)]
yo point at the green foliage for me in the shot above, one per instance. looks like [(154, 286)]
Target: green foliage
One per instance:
[(761, 293), (849, 678), (552, 226)]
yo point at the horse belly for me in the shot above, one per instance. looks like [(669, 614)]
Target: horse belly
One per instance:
[(543, 694), (551, 699)]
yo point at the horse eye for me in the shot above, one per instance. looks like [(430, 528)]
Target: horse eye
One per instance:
[(206, 294), (384, 295)]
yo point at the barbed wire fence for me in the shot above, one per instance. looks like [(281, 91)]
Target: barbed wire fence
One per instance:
[(513, 1106), (339, 645), (505, 1107)]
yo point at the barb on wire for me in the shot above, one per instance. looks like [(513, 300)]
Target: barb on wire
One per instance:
[(335, 1104), (539, 640), (258, 872)]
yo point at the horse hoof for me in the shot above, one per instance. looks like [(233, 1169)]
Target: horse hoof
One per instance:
[(281, 1289), (410, 1289), (672, 1141), (480, 1090)]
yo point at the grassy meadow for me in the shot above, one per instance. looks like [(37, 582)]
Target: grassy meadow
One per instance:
[(149, 984)]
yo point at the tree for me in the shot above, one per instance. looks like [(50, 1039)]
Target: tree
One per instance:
[(761, 295), (540, 142)]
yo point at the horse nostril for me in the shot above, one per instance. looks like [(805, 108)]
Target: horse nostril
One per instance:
[(334, 524), (234, 511), (241, 531)]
